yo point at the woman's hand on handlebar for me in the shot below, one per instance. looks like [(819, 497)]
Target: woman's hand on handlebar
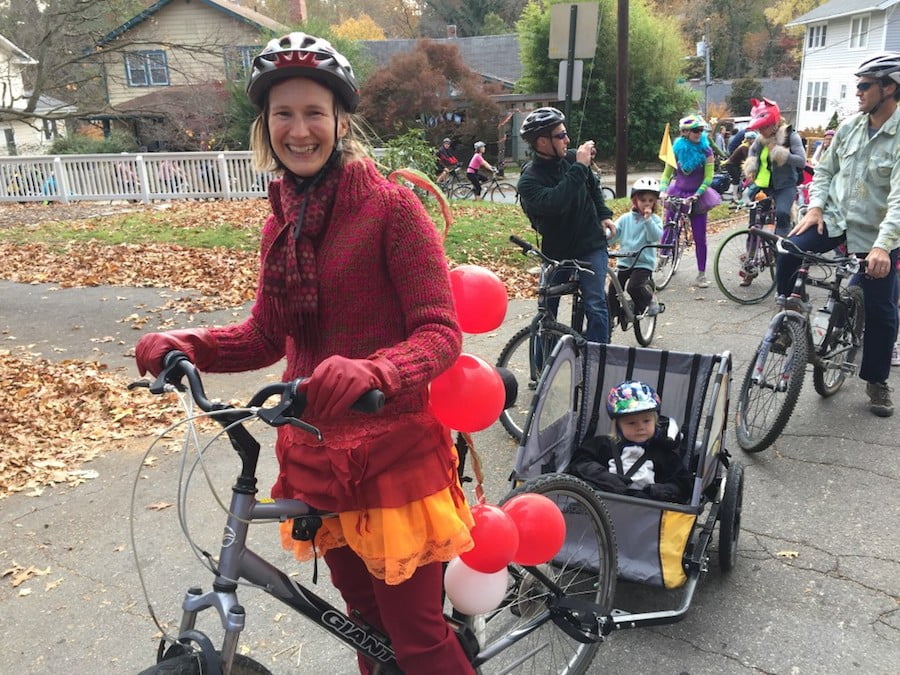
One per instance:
[(198, 344), (338, 382)]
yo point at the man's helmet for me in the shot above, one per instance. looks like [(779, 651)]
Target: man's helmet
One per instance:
[(302, 55), (645, 185), (691, 122), (539, 122), (881, 66), (446, 140), (479, 145), (763, 113), (631, 397)]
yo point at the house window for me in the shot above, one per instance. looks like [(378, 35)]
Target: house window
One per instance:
[(49, 127), (239, 61), (843, 91), (144, 69), (816, 95), (859, 32), (815, 38)]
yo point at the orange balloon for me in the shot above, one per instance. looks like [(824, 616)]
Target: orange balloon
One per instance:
[(468, 396), (480, 298)]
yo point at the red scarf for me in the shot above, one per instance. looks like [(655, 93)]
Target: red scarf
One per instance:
[(289, 273)]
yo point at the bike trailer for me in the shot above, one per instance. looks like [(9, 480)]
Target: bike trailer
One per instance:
[(658, 543)]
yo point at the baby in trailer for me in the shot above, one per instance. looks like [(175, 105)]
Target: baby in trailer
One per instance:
[(641, 455)]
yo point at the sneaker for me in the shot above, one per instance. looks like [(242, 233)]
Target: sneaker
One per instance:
[(895, 355), (880, 399), (701, 281), (653, 309), (747, 276)]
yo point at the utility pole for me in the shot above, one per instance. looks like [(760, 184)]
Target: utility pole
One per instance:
[(706, 81)]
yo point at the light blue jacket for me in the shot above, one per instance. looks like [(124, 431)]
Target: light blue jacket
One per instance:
[(857, 184), (634, 231)]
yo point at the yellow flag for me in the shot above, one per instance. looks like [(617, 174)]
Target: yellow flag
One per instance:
[(666, 154)]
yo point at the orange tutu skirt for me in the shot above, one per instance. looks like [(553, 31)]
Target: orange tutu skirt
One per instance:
[(394, 542)]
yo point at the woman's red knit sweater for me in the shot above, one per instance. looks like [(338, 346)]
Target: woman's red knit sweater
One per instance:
[(383, 292)]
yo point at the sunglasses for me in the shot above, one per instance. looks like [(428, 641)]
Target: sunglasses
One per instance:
[(561, 135), (695, 131), (864, 86)]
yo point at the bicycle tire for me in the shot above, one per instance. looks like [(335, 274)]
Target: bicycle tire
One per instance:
[(547, 647), (731, 260), (516, 356), (608, 193), (462, 191), (847, 335), (644, 329), (730, 516), (501, 192), (667, 260), (189, 664), (764, 409)]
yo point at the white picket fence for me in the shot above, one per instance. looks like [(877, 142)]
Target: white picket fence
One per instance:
[(134, 177)]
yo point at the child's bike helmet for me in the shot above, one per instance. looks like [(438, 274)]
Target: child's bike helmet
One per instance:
[(645, 185), (631, 397)]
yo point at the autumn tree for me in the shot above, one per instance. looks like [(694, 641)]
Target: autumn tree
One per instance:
[(471, 17), (397, 18), (362, 28), (430, 88)]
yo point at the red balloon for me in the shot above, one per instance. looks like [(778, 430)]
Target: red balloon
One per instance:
[(468, 396), (542, 527), (480, 298), (496, 539)]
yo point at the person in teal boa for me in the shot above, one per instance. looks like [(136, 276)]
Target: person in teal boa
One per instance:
[(692, 178)]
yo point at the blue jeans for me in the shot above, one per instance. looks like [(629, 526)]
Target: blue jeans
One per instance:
[(879, 302), (593, 289)]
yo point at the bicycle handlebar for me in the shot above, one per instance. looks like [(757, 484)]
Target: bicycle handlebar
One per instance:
[(784, 245), (528, 249), (635, 254)]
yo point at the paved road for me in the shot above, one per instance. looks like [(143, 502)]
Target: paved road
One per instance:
[(815, 589)]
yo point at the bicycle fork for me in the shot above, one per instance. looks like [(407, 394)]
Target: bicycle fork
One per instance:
[(772, 332)]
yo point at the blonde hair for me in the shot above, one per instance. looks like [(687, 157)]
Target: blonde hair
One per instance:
[(355, 144)]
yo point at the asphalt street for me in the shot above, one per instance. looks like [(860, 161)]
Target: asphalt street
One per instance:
[(815, 589)]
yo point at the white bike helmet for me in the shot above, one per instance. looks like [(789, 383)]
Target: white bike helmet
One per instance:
[(645, 185), (881, 66), (479, 145)]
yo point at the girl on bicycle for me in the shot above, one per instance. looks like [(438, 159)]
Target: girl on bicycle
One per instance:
[(354, 291), (637, 228), (475, 164), (775, 161), (692, 178)]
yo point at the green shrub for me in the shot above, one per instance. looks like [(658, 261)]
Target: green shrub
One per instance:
[(116, 142), (410, 150)]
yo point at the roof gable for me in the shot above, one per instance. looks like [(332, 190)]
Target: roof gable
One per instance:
[(233, 10), (493, 56), (18, 55), (836, 9)]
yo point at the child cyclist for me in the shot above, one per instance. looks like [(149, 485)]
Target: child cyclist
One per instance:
[(475, 164), (637, 228), (641, 455)]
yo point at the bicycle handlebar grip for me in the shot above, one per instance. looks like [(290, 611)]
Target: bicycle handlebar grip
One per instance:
[(370, 402), (521, 243)]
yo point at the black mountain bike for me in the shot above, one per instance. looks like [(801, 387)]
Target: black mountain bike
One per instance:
[(775, 374)]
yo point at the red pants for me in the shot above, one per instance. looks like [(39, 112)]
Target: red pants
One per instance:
[(410, 614)]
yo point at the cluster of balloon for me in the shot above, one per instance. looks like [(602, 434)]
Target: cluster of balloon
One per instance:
[(469, 395), (528, 530)]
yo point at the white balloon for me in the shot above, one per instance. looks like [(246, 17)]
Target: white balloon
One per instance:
[(472, 592)]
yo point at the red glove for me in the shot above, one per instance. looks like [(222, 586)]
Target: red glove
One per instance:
[(197, 343), (338, 382)]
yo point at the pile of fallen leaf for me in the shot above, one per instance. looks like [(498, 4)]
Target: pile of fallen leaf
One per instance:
[(55, 416)]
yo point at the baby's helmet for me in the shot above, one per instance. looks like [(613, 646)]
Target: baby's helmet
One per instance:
[(631, 397), (645, 185)]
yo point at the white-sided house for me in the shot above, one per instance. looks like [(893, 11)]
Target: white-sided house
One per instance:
[(840, 35), (25, 135)]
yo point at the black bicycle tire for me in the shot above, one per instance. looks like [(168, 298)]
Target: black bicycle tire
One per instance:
[(663, 275), (607, 192), (514, 418), (852, 298), (757, 441), (462, 191), (527, 593), (730, 516), (504, 190), (189, 664), (684, 243), (722, 275)]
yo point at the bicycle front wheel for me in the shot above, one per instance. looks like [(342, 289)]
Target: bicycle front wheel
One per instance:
[(744, 268), (505, 193), (462, 191), (771, 388), (667, 259), (189, 664), (555, 638), (524, 357), (845, 329)]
